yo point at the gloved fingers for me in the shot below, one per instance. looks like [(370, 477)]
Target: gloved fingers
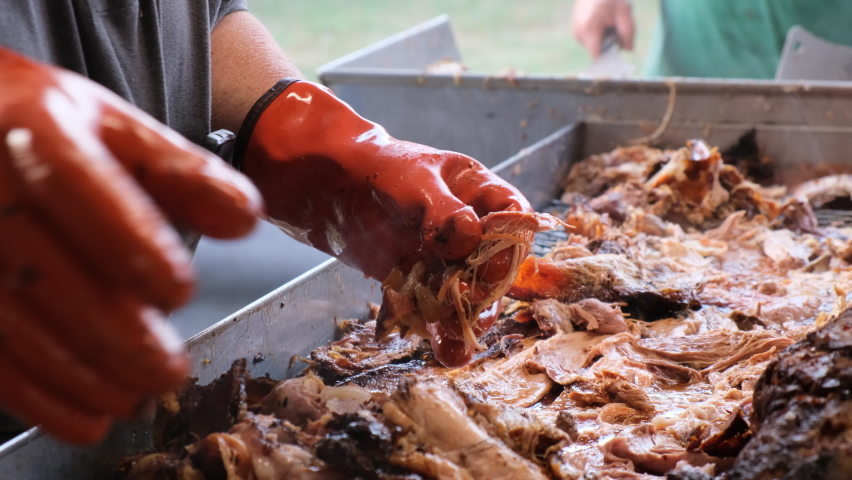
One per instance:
[(193, 187), (453, 235), (447, 339), (486, 193), (25, 399), (39, 356), (424, 206), (125, 341), (497, 267), (475, 185), (447, 342), (99, 211)]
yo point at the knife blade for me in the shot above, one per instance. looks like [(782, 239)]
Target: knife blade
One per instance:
[(610, 62)]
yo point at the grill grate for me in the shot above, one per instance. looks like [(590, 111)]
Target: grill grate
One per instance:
[(834, 218), (545, 241)]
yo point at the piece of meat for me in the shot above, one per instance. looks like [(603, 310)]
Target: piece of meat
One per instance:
[(196, 411), (824, 190), (618, 201), (622, 414), (599, 317), (592, 176), (692, 174), (672, 327), (453, 304), (589, 357), (621, 390), (519, 429), (563, 356), (608, 278), (276, 461), (730, 438), (567, 252), (640, 221), (297, 400), (715, 350), (784, 249), (386, 378), (803, 410), (158, 466), (799, 217), (358, 444), (652, 452), (623, 403), (506, 381), (359, 351), (436, 417), (552, 316), (260, 447), (429, 465)]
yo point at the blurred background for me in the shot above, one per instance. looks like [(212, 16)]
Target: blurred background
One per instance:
[(531, 36)]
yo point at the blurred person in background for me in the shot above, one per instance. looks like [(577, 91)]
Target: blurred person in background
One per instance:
[(714, 38)]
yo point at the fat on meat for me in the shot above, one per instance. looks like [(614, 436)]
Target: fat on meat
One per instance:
[(563, 356), (507, 381)]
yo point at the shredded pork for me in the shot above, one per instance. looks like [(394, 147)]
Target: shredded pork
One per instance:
[(633, 349)]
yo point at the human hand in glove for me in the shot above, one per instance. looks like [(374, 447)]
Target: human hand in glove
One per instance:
[(88, 186), (341, 184)]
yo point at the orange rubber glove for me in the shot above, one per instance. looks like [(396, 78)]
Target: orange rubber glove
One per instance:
[(88, 185), (341, 184)]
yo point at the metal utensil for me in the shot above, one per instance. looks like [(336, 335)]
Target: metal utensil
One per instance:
[(610, 62), (808, 57)]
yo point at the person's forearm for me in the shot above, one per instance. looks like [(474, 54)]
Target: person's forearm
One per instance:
[(246, 62)]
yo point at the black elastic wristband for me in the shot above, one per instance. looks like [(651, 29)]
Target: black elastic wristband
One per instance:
[(253, 116)]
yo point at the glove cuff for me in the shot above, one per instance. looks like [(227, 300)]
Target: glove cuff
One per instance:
[(247, 128)]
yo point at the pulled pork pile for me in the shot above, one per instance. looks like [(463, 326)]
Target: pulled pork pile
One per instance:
[(636, 348)]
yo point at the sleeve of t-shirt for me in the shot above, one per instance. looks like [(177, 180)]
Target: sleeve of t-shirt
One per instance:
[(220, 8)]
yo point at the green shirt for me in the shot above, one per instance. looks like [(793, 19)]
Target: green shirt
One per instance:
[(738, 38)]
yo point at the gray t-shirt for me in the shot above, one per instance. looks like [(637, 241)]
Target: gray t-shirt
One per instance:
[(154, 53)]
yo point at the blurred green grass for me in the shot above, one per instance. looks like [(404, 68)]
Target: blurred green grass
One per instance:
[(532, 36)]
